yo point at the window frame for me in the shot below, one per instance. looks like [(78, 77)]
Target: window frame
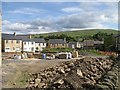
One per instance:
[(17, 41), (6, 41)]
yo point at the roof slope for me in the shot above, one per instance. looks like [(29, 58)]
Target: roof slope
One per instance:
[(56, 41), (10, 37), (23, 38), (39, 40)]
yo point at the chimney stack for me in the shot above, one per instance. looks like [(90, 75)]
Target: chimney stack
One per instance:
[(30, 36), (14, 34), (64, 39)]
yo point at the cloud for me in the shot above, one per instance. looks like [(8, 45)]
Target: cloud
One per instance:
[(37, 26), (72, 9), (28, 11), (85, 15), (6, 22), (79, 21), (15, 26), (90, 13)]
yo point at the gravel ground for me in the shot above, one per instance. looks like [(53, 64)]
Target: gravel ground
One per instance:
[(12, 70)]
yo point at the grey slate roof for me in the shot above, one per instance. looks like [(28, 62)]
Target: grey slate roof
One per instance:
[(23, 38), (27, 40), (57, 41), (88, 42), (39, 40), (10, 37), (72, 42), (98, 42)]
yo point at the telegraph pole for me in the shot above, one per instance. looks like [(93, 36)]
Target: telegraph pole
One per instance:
[(0, 45), (118, 45), (0, 33)]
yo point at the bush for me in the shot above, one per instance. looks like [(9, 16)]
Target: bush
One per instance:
[(112, 57), (58, 50)]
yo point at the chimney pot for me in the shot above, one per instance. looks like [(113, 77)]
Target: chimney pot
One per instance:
[(14, 34), (30, 36)]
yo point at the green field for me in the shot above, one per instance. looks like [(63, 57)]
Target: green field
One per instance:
[(87, 32)]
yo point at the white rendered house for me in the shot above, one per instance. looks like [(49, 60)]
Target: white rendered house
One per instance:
[(40, 44), (33, 45), (28, 45)]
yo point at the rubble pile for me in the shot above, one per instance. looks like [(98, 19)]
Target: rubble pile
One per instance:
[(81, 73)]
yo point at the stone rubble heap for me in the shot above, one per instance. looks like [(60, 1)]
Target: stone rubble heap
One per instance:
[(80, 73)]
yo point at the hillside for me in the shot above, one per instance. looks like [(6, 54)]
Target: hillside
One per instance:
[(87, 32)]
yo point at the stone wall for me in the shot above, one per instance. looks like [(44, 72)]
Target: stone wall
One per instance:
[(110, 80)]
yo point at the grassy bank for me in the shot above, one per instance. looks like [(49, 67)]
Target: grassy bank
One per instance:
[(90, 52), (87, 32)]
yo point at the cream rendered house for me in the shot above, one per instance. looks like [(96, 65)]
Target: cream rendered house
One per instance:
[(11, 43)]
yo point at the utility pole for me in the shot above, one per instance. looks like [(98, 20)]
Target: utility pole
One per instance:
[(0, 34), (118, 45), (0, 45)]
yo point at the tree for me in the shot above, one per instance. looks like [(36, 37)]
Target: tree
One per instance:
[(99, 36), (37, 48), (110, 43)]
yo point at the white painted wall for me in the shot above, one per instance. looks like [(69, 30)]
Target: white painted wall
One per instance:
[(79, 45), (27, 46), (40, 46), (7, 49)]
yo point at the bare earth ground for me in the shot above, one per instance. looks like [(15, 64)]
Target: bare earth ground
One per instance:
[(15, 72)]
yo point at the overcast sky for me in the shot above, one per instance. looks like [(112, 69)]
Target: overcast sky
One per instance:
[(44, 17)]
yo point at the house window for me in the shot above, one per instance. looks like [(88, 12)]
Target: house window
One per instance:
[(6, 41), (25, 48), (39, 44), (56, 44), (32, 43), (17, 48), (24, 42), (7, 48), (17, 41), (32, 49), (37, 48), (11, 41), (43, 44)]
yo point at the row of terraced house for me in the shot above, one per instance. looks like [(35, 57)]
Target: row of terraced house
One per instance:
[(19, 43)]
